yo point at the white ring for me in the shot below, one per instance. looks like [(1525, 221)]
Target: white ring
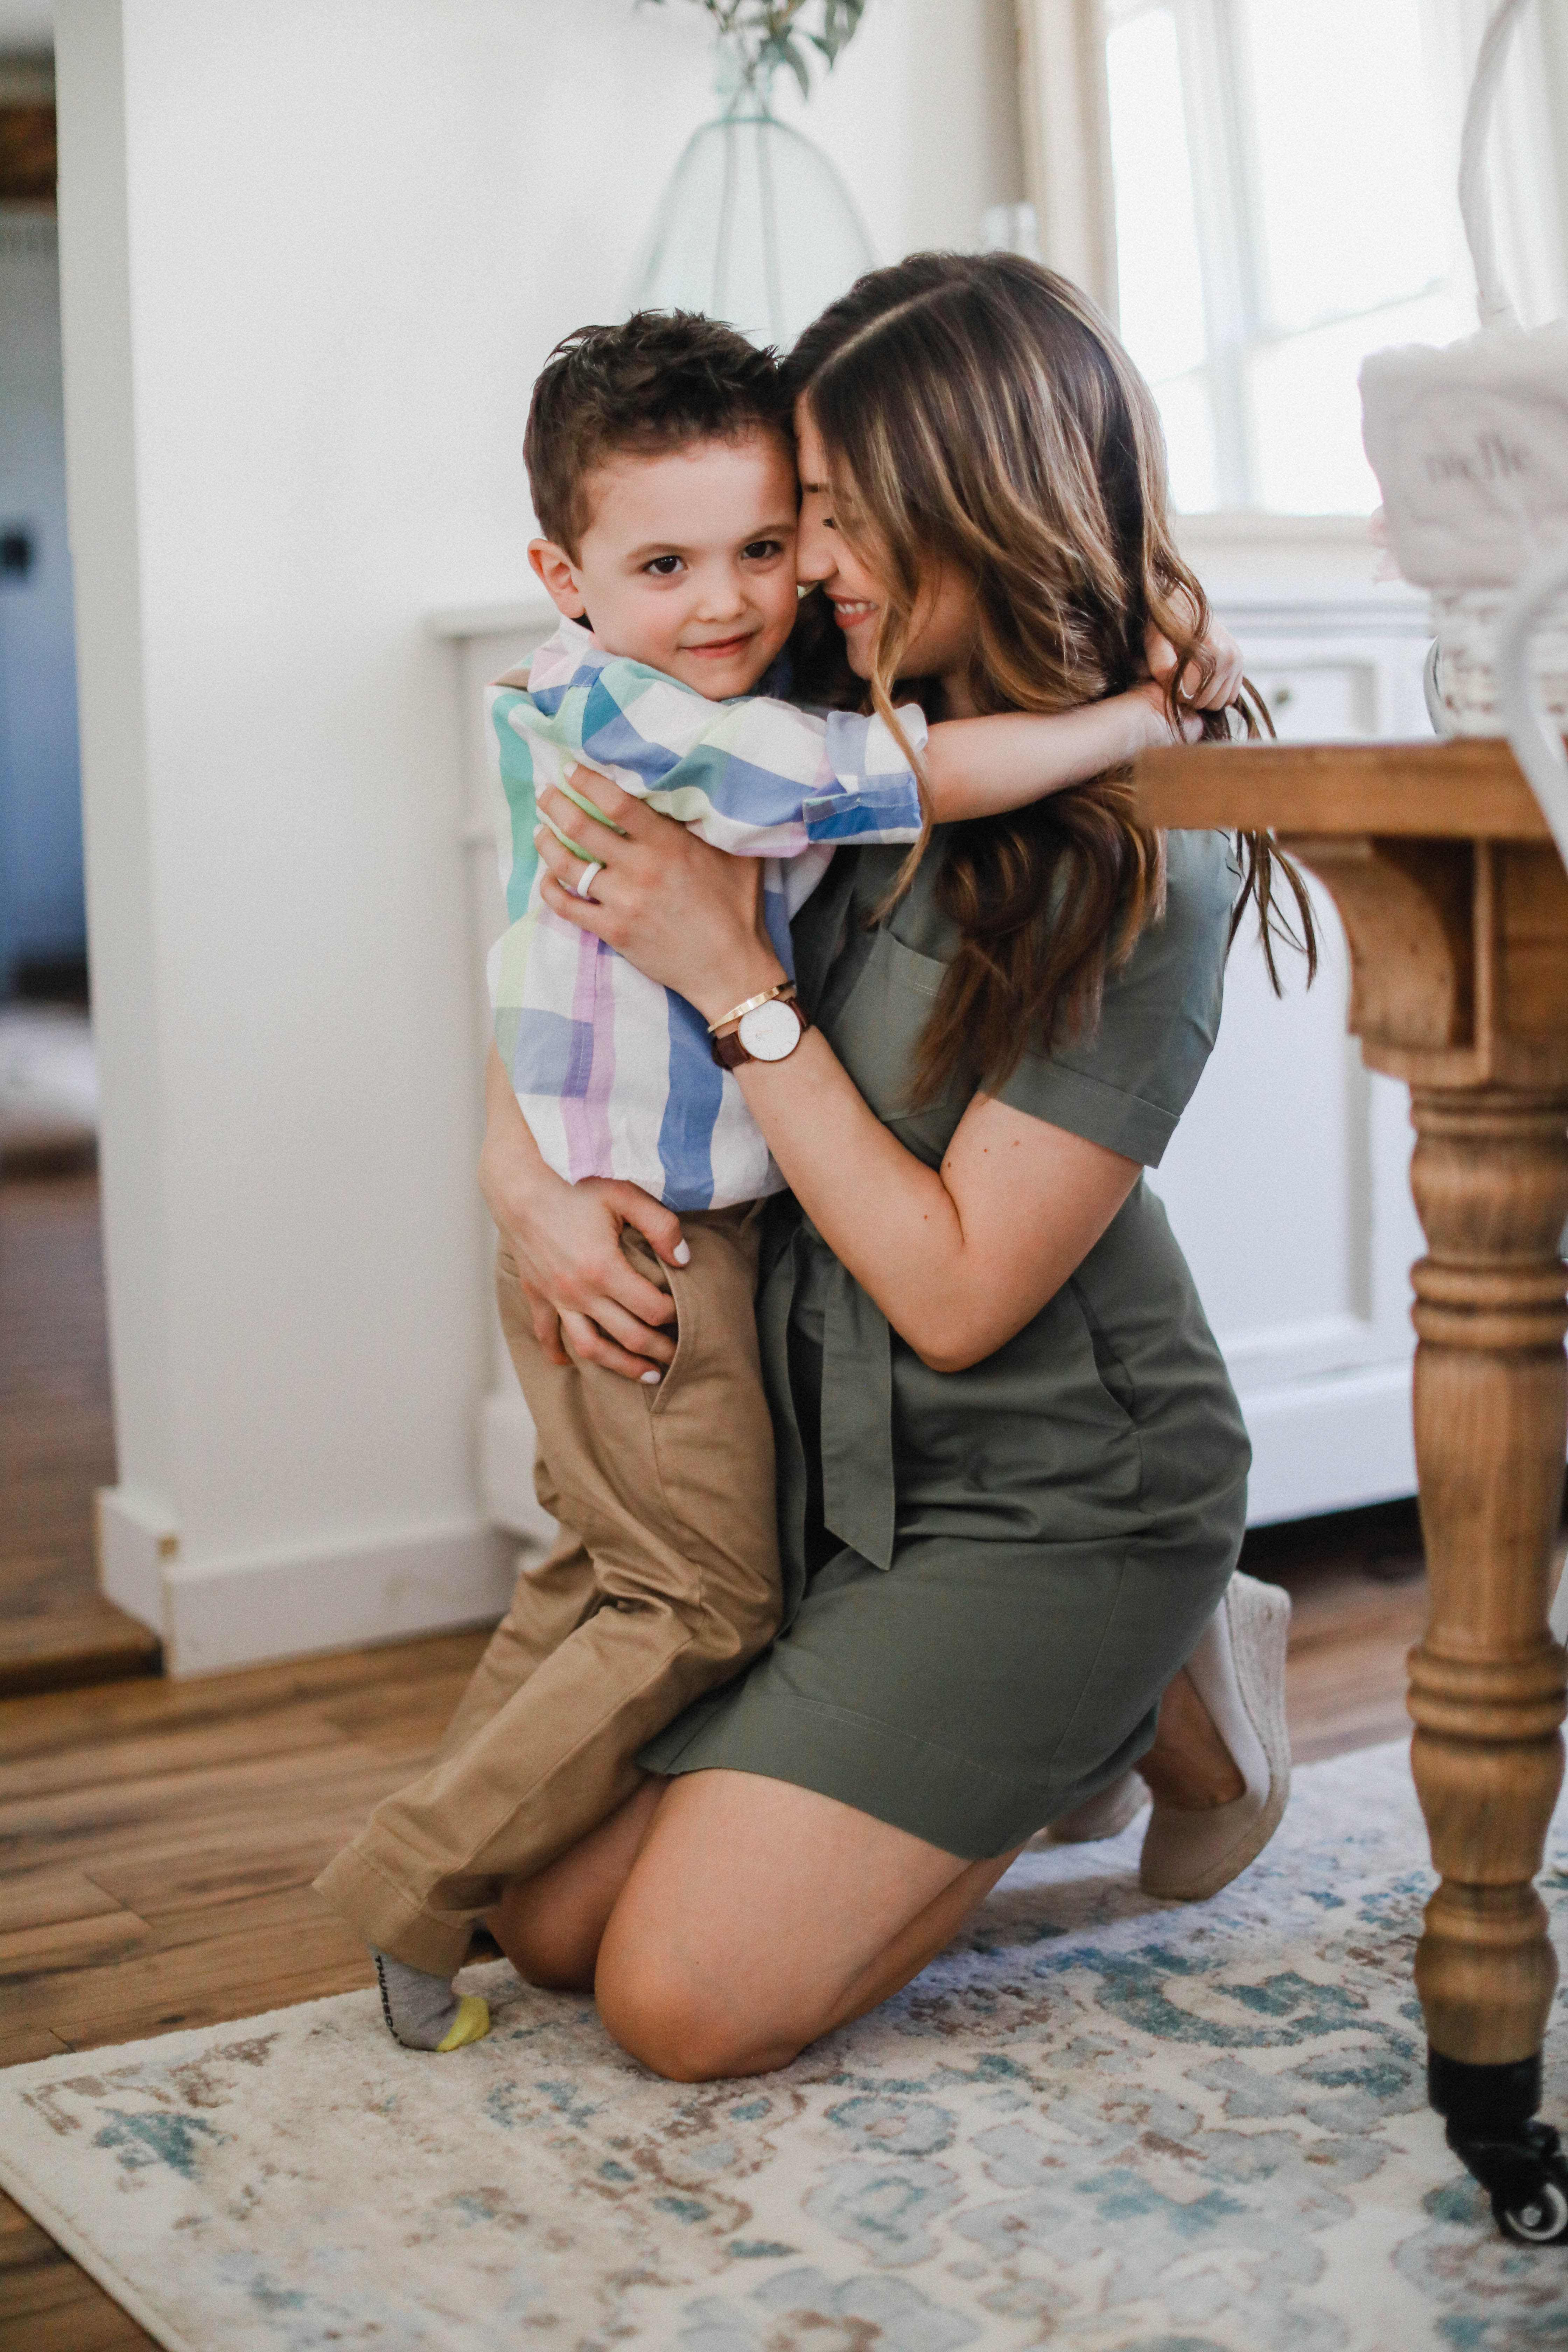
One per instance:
[(588, 876)]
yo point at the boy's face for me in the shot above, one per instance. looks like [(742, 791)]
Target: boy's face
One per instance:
[(687, 562)]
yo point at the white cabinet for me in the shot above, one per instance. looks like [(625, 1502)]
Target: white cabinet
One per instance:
[(1287, 1182), (487, 641)]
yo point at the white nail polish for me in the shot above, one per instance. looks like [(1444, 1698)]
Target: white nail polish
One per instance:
[(651, 1380), (683, 1254)]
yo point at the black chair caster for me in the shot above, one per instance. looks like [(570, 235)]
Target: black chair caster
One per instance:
[(1527, 2177), (1519, 2162)]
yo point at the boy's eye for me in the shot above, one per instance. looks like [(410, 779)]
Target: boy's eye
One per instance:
[(664, 567), (759, 551)]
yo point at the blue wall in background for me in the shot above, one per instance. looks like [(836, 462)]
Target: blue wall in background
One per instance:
[(42, 907)]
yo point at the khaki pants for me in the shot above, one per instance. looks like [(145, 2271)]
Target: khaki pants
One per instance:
[(667, 1586)]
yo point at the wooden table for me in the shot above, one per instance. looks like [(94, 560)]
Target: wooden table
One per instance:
[(1455, 904)]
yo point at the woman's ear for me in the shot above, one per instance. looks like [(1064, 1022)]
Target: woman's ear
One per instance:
[(562, 581)]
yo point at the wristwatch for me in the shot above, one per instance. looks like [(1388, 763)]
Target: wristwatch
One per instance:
[(766, 1028)]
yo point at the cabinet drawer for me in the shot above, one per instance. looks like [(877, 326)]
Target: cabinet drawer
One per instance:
[(1320, 702)]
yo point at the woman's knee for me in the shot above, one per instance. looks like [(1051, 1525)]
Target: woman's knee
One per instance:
[(687, 2030)]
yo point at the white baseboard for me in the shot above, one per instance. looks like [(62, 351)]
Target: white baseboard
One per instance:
[(136, 1542), (1330, 1445), (213, 1613), (238, 1612)]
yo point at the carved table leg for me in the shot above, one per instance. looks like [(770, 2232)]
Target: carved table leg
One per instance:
[(1486, 1683)]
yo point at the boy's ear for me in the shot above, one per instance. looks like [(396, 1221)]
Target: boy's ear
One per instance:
[(559, 577)]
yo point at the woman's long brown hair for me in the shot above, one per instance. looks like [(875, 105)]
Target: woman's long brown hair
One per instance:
[(977, 412)]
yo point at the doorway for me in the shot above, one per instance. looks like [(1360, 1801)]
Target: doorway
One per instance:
[(56, 1445)]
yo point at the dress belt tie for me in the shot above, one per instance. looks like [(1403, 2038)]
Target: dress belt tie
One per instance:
[(858, 1420)]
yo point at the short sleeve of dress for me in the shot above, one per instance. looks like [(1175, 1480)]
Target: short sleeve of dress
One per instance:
[(1127, 1085)]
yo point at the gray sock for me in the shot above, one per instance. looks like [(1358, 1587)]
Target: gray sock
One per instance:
[(420, 2009)]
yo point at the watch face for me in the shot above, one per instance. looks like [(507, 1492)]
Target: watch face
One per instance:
[(770, 1032)]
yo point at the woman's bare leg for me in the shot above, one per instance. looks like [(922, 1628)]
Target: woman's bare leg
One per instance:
[(726, 1921), (758, 1915), (1189, 1764)]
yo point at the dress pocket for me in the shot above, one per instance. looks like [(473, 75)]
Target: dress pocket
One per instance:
[(876, 1037)]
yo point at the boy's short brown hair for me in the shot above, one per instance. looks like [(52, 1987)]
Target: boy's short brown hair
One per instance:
[(662, 380)]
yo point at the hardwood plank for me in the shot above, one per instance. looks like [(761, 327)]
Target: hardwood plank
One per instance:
[(1358, 1591), (96, 1644), (186, 1877), (271, 1918), (136, 1761), (31, 1898), (223, 1977), (28, 2043), (83, 1821), (46, 2304), (413, 1729), (92, 1944), (66, 1719)]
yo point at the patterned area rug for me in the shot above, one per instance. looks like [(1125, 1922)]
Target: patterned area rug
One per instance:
[(1097, 2123)]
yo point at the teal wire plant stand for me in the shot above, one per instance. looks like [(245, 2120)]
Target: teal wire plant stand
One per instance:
[(756, 226)]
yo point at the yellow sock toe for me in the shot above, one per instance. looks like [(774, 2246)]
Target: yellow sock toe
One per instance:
[(472, 2023)]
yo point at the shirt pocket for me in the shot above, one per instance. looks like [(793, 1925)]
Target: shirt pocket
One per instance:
[(876, 1037)]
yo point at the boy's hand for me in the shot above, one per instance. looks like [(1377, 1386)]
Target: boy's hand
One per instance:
[(1219, 646)]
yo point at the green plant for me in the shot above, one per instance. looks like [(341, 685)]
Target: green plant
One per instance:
[(770, 32)]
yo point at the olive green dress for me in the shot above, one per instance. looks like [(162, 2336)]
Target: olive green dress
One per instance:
[(991, 1575)]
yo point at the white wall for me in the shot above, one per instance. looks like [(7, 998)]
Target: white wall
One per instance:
[(313, 252)]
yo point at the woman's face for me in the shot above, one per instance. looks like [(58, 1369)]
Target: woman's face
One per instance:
[(941, 636)]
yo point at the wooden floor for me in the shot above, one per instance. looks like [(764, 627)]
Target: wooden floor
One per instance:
[(57, 1441)]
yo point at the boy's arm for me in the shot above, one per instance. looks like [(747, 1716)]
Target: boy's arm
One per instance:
[(747, 776), (979, 767)]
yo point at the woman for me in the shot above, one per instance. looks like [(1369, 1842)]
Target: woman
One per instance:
[(1012, 1472)]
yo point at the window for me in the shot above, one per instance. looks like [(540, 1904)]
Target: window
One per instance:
[(1283, 178)]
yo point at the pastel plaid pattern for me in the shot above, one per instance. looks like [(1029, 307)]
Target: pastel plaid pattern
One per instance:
[(614, 1074)]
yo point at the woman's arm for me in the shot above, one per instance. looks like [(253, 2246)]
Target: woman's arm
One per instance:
[(958, 1258)]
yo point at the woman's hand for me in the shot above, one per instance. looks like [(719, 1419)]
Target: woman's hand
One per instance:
[(1218, 645), (687, 915), (588, 1303)]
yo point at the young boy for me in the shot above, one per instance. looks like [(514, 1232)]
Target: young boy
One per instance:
[(663, 475)]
